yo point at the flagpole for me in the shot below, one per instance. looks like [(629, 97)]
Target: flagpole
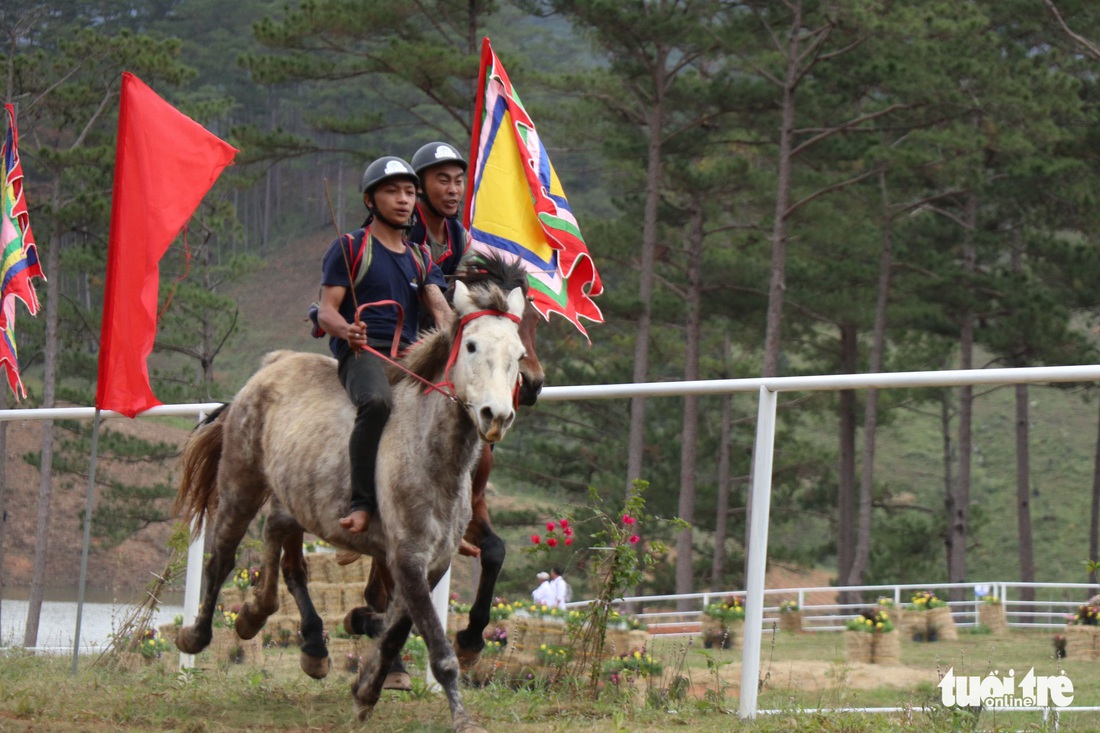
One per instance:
[(87, 539)]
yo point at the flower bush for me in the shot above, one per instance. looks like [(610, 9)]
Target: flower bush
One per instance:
[(1086, 616), (554, 655), (225, 618), (925, 601), (149, 644), (631, 666), (502, 609), (876, 621), (730, 609), (244, 579), (885, 602), (498, 635), (991, 600), (788, 607)]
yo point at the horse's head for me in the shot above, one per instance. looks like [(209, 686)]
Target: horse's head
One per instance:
[(488, 354), (508, 274)]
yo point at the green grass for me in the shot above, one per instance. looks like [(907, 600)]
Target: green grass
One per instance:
[(37, 693)]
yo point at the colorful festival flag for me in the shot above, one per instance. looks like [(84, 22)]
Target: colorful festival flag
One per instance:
[(515, 203), (19, 258), (165, 162)]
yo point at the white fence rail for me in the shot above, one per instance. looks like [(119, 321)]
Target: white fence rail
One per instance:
[(767, 390), (1054, 602)]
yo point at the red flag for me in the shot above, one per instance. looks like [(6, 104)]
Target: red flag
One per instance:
[(165, 162)]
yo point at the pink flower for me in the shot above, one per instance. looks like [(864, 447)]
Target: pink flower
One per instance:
[(568, 541), (552, 542), (627, 519), (634, 539), (564, 523), (535, 539), (550, 526), (568, 531)]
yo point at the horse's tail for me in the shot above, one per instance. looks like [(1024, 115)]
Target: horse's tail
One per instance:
[(198, 492)]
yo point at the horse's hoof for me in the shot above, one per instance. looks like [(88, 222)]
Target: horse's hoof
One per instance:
[(467, 658), (190, 641), (315, 667), (467, 725), (398, 681), (356, 621), (363, 712), (248, 622)]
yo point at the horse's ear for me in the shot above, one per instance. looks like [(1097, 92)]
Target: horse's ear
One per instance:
[(461, 298), (516, 302)]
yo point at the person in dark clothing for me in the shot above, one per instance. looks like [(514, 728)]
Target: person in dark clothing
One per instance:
[(372, 264), (435, 224)]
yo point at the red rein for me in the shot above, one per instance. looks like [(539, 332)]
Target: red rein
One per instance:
[(446, 387)]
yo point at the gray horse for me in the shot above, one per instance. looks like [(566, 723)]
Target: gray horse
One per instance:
[(283, 441)]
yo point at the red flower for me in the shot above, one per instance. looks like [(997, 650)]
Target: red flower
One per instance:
[(535, 539), (568, 531), (564, 523), (550, 526), (568, 541), (552, 542), (627, 519), (634, 539)]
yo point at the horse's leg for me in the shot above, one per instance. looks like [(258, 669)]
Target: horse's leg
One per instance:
[(314, 652), (368, 686), (410, 576), (235, 511), (370, 620), (264, 599), (470, 641)]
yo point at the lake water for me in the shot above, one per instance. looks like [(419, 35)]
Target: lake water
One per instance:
[(102, 616)]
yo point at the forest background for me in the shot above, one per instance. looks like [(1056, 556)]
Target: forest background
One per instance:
[(767, 187)]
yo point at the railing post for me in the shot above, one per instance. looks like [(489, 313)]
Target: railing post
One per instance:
[(758, 550)]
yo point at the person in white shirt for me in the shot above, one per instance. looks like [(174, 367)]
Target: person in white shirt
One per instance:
[(560, 592), (544, 594)]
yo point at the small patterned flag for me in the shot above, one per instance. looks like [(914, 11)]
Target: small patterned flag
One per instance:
[(19, 261), (516, 205)]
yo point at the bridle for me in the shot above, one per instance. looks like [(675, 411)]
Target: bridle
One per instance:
[(446, 387)]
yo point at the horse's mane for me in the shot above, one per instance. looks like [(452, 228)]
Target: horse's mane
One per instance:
[(494, 268), (427, 357)]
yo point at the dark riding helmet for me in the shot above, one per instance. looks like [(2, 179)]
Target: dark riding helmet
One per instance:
[(436, 154), (387, 168)]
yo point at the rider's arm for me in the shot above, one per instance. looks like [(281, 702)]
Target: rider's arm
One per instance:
[(328, 316), (437, 305)]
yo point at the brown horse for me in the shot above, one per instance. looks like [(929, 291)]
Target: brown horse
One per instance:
[(470, 641), (283, 442)]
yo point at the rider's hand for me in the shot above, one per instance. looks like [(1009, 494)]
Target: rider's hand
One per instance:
[(357, 336)]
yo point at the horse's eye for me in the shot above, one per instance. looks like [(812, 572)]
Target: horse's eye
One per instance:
[(470, 347), (522, 356)]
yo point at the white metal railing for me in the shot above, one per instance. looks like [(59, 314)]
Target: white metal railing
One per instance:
[(661, 618), (767, 390)]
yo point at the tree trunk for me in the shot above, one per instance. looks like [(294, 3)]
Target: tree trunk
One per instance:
[(1023, 471), (636, 446), (870, 414), (959, 515), (1023, 496), (722, 511), (777, 285), (846, 475), (1094, 525), (684, 554), (45, 485)]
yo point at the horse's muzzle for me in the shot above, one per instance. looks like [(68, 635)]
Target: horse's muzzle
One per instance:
[(492, 425), (529, 391)]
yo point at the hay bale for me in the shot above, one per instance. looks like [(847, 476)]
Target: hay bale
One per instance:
[(790, 621), (886, 648), (942, 623), (859, 646), (1082, 642), (992, 616)]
